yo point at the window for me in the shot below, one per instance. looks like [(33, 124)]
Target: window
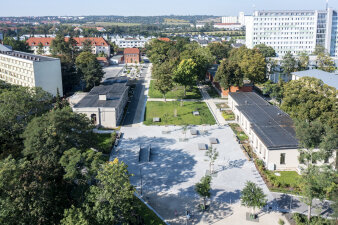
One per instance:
[(282, 158)]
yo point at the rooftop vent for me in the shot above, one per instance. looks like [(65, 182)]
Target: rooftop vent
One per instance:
[(102, 97)]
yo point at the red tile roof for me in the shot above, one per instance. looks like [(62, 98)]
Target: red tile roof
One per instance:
[(97, 41), (104, 59), (164, 39), (131, 51)]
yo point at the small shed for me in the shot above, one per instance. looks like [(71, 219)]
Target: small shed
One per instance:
[(202, 146), (213, 140), (156, 119), (196, 113), (193, 132)]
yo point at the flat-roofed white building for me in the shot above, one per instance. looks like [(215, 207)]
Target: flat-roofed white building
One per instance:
[(30, 70), (294, 30), (270, 130)]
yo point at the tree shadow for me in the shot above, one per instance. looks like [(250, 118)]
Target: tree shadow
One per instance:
[(286, 202)]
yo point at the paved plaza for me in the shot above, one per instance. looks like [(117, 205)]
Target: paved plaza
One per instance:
[(176, 165)]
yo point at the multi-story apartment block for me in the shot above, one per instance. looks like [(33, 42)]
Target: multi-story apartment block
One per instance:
[(99, 44), (294, 30), (30, 70), (131, 43)]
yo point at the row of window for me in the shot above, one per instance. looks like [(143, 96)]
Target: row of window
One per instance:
[(15, 81), (283, 18), (16, 75), (283, 24), (16, 69), (16, 62)]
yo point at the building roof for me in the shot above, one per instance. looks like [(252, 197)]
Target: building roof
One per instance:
[(5, 48), (164, 39), (27, 56), (47, 41), (113, 91), (273, 126), (131, 51), (330, 79), (104, 59)]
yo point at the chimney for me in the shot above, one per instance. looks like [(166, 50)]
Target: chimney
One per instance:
[(102, 97)]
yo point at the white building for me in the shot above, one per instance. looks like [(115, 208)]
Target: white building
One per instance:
[(130, 42), (241, 19), (104, 104), (228, 26), (271, 132), (30, 70), (294, 30)]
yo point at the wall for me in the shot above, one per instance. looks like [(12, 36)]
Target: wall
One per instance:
[(131, 58), (105, 117), (48, 76)]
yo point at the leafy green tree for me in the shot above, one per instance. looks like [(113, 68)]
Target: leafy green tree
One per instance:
[(31, 193), (185, 74), (203, 189), (310, 99), (288, 63), (112, 200), (74, 216), (164, 84), (275, 91), (49, 136), (219, 50), (334, 206), (158, 51), (267, 51), (16, 45), (229, 74), (303, 61), (87, 46), (319, 49), (325, 63), (40, 50), (91, 70), (18, 106), (253, 196)]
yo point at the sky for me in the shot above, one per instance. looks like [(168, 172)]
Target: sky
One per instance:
[(151, 7)]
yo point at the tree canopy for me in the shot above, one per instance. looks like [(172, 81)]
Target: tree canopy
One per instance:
[(229, 74), (267, 51)]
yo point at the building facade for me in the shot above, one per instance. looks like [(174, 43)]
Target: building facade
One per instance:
[(294, 30), (30, 70), (104, 105), (131, 55), (99, 44)]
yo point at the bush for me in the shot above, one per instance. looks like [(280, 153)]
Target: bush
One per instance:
[(281, 222), (301, 219)]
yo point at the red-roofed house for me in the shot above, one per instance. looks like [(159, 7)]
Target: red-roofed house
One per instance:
[(131, 55), (164, 39), (99, 44)]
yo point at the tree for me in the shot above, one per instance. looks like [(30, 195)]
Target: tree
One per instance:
[(267, 51), (334, 206), (319, 49), (275, 91), (164, 84), (185, 73), (303, 61), (87, 46), (91, 70), (310, 99), (49, 136), (212, 155), (229, 74), (325, 63), (18, 106), (203, 188), (112, 200), (219, 50), (16, 45), (253, 196), (74, 216), (288, 63), (40, 50)]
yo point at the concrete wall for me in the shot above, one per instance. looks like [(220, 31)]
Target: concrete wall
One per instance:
[(105, 117), (48, 76)]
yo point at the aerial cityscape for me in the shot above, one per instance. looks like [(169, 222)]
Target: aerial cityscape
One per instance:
[(158, 113)]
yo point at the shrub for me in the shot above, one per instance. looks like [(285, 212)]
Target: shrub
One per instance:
[(281, 222)]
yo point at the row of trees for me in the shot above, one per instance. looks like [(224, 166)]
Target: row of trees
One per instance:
[(178, 62), (50, 170), (79, 68)]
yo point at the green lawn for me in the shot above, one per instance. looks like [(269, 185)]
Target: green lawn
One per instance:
[(285, 180), (104, 142), (176, 93), (148, 216), (184, 116), (228, 115)]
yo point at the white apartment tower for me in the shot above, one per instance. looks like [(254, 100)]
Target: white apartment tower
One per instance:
[(30, 70), (294, 30)]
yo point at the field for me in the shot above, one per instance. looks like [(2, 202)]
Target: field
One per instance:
[(116, 24), (175, 21), (166, 112), (176, 93)]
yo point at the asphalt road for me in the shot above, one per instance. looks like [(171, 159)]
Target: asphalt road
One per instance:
[(132, 106)]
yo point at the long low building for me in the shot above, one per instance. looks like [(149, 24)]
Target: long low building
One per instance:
[(104, 104), (270, 130), (28, 70)]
